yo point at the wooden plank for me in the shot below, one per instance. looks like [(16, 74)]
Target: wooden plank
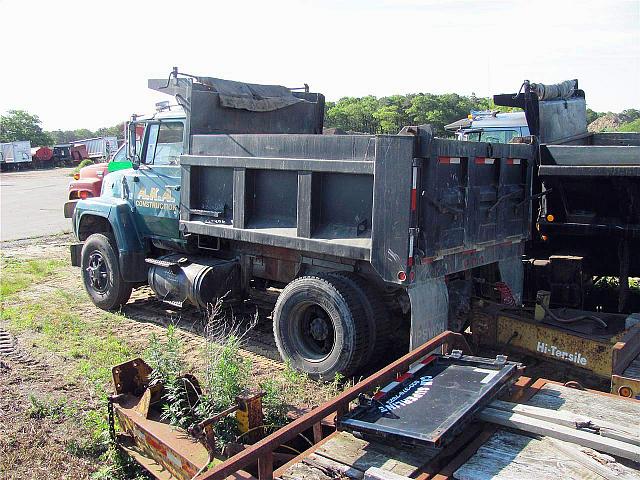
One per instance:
[(362, 455), (375, 473), (569, 419), (303, 471), (508, 455), (603, 465), (580, 437), (609, 408), (282, 469), (316, 467)]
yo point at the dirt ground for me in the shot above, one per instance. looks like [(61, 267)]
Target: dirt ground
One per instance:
[(55, 375)]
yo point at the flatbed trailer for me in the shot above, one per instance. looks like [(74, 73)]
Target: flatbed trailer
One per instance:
[(483, 451), (538, 428)]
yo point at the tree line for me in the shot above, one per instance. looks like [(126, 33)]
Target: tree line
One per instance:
[(389, 114), (21, 125), (367, 114)]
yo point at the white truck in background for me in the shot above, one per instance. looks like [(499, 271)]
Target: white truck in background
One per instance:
[(490, 126), (15, 154)]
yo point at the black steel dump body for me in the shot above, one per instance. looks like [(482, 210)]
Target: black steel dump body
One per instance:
[(402, 202), (593, 183)]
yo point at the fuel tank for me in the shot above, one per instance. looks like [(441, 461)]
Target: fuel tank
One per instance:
[(178, 279)]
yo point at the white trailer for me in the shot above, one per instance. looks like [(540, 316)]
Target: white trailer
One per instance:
[(15, 154), (99, 147)]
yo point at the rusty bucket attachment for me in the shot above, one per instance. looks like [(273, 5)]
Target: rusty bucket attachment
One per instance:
[(168, 452)]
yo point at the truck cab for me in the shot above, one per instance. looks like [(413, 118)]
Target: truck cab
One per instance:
[(490, 126), (140, 194)]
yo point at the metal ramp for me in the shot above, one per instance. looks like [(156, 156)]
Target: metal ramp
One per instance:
[(431, 403)]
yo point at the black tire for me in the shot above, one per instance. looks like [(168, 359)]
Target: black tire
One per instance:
[(320, 326), (101, 273), (378, 320)]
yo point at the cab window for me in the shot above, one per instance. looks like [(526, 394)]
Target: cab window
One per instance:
[(164, 144)]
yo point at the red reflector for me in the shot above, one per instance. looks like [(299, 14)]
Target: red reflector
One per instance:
[(449, 160), (484, 161), (402, 276), (414, 199)]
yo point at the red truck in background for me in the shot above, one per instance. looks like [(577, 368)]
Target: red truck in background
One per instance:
[(41, 157), (88, 181)]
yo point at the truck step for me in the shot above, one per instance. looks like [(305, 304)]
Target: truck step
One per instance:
[(173, 266), (174, 303)]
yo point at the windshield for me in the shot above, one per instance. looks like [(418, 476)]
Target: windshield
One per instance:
[(120, 156), (492, 136)]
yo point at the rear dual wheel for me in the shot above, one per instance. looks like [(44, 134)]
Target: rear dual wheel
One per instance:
[(326, 324)]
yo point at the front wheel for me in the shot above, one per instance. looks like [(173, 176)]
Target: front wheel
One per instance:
[(101, 273), (320, 326)]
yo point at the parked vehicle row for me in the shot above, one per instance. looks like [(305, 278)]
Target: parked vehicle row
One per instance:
[(20, 154)]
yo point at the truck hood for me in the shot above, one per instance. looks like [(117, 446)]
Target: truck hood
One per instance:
[(98, 170)]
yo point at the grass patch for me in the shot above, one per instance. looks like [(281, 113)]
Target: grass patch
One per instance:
[(66, 332), (17, 275), (90, 345)]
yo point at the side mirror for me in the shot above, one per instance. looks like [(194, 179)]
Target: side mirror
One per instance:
[(131, 146)]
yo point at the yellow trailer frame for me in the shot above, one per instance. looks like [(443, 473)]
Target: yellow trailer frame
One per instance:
[(604, 355)]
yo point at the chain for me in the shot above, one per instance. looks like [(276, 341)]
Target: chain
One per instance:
[(112, 426)]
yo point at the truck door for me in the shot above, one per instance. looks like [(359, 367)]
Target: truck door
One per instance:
[(157, 187)]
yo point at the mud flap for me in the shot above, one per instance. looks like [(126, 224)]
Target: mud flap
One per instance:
[(75, 250), (429, 310), (512, 273)]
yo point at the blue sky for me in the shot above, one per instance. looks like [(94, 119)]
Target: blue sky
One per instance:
[(85, 64)]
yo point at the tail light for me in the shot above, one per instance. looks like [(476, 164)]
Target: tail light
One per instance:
[(84, 194), (76, 176)]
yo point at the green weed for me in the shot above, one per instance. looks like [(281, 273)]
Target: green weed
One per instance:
[(48, 407), (84, 163)]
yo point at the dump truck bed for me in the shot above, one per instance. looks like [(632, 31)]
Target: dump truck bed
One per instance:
[(591, 183), (397, 201)]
